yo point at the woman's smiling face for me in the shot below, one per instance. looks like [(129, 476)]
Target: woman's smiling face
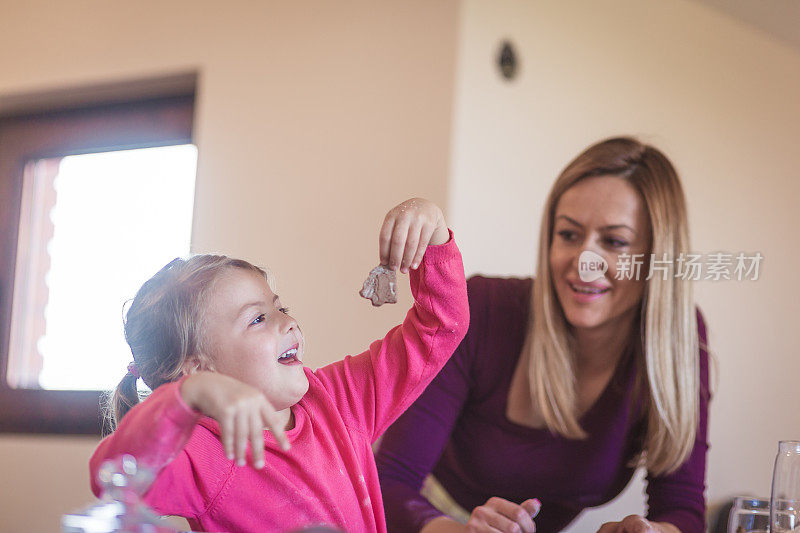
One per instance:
[(252, 338), (607, 216)]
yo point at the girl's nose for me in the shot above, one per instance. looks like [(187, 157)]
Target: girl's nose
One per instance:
[(288, 324)]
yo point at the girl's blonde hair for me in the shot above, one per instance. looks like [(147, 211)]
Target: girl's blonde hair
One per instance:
[(164, 324), (668, 337)]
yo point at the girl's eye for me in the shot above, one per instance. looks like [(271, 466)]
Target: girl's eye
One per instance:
[(284, 310), (259, 319)]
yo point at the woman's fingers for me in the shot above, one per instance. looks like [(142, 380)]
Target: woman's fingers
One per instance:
[(485, 518), (532, 507), (636, 524), (515, 513), (630, 524), (497, 521), (506, 516)]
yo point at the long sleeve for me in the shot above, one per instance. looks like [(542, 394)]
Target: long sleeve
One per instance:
[(372, 389), (412, 446), (678, 498), (155, 432)]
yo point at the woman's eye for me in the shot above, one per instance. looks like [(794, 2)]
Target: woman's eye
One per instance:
[(284, 310), (616, 243), (259, 319), (567, 235)]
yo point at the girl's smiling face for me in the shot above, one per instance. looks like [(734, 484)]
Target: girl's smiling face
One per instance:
[(607, 216), (252, 338)]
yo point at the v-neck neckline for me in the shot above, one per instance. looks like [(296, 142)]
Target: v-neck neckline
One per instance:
[(620, 375)]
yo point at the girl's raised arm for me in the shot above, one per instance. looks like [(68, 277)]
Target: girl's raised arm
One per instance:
[(372, 389)]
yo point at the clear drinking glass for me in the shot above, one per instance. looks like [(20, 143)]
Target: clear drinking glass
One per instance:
[(785, 501), (121, 509), (749, 515)]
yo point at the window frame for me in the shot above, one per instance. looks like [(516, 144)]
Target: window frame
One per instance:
[(142, 123)]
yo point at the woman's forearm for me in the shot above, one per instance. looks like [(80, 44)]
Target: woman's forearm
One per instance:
[(443, 524), (666, 527)]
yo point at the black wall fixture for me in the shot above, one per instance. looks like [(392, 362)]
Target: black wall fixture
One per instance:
[(507, 60)]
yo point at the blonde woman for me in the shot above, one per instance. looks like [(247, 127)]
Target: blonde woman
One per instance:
[(564, 384)]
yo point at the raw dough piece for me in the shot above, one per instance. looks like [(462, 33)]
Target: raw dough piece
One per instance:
[(380, 286)]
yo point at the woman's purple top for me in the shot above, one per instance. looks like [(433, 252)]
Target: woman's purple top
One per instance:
[(458, 431)]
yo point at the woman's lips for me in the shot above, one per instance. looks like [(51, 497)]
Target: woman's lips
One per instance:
[(586, 293)]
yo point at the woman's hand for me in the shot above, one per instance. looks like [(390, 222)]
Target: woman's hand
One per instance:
[(495, 515), (241, 410), (637, 524), (498, 514), (407, 231)]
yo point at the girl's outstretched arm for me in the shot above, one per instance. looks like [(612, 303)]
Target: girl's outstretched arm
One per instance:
[(155, 432), (372, 389)]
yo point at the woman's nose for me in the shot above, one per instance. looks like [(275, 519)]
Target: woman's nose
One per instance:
[(594, 244), (580, 252), (589, 254)]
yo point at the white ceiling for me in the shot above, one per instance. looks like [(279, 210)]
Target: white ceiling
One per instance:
[(780, 18)]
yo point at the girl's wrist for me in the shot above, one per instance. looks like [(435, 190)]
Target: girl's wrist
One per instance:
[(188, 392), (440, 235)]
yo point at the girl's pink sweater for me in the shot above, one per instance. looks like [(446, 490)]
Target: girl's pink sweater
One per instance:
[(328, 476)]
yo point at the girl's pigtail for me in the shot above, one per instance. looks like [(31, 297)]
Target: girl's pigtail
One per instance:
[(122, 400)]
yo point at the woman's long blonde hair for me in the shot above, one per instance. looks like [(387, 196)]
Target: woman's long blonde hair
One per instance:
[(668, 322)]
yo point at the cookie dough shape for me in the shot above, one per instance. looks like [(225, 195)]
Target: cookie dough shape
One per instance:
[(380, 286)]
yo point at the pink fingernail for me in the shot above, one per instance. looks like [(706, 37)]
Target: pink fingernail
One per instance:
[(538, 508)]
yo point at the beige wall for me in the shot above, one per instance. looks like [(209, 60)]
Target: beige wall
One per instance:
[(313, 119), (721, 99)]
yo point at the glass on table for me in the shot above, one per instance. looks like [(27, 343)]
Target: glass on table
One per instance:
[(785, 500), (749, 515)]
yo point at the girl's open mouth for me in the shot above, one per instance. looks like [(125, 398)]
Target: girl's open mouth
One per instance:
[(289, 357)]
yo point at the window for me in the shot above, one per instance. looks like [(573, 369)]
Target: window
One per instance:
[(93, 199)]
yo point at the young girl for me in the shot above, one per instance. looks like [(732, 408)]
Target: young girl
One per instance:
[(224, 360)]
